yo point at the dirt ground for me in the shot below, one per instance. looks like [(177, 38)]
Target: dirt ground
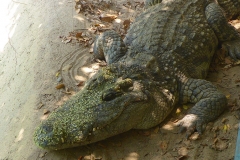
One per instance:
[(37, 54)]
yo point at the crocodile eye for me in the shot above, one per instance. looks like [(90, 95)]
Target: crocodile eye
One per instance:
[(110, 95)]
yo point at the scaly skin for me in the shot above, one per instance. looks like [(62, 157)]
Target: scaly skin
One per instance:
[(231, 7), (162, 61)]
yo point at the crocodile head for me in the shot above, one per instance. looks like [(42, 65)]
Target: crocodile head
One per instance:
[(114, 100)]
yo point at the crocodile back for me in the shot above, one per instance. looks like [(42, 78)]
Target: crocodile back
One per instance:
[(176, 30), (231, 7)]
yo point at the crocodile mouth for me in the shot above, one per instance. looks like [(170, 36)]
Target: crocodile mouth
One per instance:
[(51, 134)]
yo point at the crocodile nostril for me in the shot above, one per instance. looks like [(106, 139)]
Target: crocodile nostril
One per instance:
[(48, 128)]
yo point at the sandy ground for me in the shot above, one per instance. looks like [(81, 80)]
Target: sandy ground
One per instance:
[(32, 61)]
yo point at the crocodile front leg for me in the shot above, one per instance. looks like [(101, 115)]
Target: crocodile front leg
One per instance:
[(109, 46), (226, 34), (210, 103)]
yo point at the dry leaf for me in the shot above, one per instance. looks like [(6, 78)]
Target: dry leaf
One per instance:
[(237, 63), (227, 66), (237, 81), (219, 144), (60, 86), (185, 107), (228, 96), (107, 17), (194, 136), (79, 35), (42, 155), (40, 106), (89, 157), (183, 151), (126, 24), (178, 111), (226, 127), (57, 74), (224, 120), (45, 111), (66, 40), (81, 83), (80, 158)]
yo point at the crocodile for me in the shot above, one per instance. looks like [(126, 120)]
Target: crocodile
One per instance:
[(162, 62)]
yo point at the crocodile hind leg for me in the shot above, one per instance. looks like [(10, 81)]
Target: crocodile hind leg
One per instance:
[(109, 46), (226, 34), (209, 104), (151, 2)]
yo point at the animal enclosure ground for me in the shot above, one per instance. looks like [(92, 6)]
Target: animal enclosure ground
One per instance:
[(42, 65)]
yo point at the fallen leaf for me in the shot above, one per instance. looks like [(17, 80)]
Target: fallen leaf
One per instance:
[(219, 144), (45, 111), (185, 107), (89, 157), (78, 10), (237, 81), (81, 83), (40, 106), (80, 158), (194, 136), (126, 24), (236, 126), (42, 155), (224, 120), (107, 17), (228, 96), (57, 74), (215, 141), (178, 111), (79, 35), (237, 63), (67, 40), (226, 127), (97, 25), (227, 66), (183, 151), (60, 86)]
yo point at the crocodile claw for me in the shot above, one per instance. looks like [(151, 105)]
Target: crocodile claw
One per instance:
[(190, 123), (233, 48)]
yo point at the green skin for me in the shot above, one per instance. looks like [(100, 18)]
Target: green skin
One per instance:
[(144, 81)]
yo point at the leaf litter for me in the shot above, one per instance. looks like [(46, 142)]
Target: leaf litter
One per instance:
[(103, 18)]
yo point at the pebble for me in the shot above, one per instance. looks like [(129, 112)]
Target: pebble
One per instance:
[(59, 79)]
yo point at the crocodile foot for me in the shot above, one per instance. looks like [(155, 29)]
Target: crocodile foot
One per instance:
[(233, 48), (191, 123)]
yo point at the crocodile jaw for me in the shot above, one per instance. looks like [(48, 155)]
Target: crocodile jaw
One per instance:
[(87, 118)]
